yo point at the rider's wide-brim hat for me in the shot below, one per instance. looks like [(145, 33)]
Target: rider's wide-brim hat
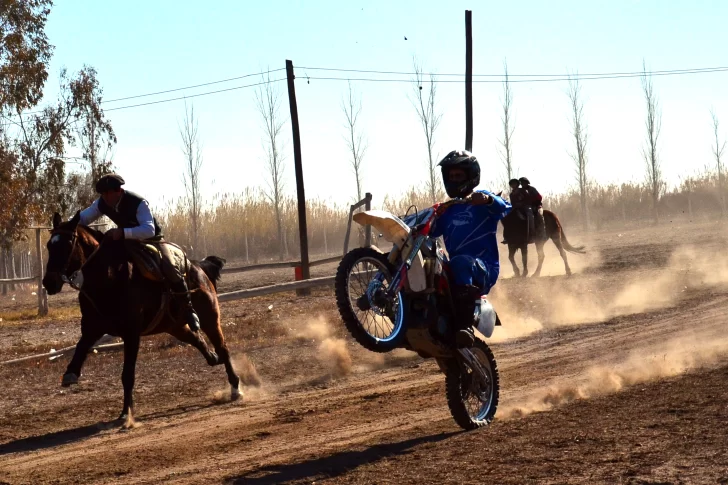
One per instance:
[(110, 181)]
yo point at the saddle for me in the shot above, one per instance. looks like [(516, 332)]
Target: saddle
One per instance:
[(147, 258)]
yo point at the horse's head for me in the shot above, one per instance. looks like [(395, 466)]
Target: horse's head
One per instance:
[(65, 252)]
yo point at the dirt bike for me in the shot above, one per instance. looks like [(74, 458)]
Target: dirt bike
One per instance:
[(402, 299)]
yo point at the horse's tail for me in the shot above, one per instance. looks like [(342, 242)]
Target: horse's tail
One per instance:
[(212, 266), (564, 241)]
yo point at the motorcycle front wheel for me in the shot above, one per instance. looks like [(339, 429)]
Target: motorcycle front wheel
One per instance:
[(472, 395), (362, 279)]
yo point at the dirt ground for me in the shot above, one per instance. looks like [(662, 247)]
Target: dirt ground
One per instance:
[(615, 375)]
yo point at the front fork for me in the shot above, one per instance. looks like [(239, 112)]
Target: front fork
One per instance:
[(467, 360)]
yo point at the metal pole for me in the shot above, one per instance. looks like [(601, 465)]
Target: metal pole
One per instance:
[(468, 81), (368, 233), (302, 229)]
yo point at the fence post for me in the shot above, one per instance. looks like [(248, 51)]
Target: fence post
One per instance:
[(42, 298), (368, 233), (348, 230)]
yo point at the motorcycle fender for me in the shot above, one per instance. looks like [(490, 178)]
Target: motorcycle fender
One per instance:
[(392, 228), (486, 319)]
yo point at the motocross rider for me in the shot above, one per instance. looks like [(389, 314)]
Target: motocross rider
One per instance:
[(469, 232)]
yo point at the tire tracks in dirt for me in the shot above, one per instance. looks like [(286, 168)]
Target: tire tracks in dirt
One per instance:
[(376, 407)]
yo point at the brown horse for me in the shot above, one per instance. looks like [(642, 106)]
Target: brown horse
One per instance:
[(116, 299), (515, 231)]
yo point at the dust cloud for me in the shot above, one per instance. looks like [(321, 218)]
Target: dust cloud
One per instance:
[(534, 306), (332, 351), (645, 364)]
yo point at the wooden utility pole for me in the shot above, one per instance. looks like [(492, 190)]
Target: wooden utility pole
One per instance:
[(302, 228), (468, 81), (42, 298)]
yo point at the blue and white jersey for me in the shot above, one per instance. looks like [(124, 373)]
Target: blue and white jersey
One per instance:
[(470, 230)]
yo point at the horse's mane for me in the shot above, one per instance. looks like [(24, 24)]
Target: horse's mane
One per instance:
[(97, 235)]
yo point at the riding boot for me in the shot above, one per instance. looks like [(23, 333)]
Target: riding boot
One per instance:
[(464, 298), (531, 225), (179, 286), (185, 300), (540, 223)]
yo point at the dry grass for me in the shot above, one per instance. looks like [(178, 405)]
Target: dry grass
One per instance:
[(31, 314), (242, 226)]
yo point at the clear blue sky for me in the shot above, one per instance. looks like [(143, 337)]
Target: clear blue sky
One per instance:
[(146, 46)]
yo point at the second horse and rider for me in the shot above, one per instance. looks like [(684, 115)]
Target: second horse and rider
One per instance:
[(528, 203)]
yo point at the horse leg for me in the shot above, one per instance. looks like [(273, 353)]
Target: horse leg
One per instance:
[(210, 323), (541, 257), (89, 336), (195, 339), (512, 257), (524, 256), (556, 238), (131, 351)]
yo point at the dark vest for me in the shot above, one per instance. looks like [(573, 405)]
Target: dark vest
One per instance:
[(125, 216)]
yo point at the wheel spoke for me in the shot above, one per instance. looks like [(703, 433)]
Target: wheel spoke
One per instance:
[(374, 320)]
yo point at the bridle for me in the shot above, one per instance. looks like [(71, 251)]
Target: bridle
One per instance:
[(70, 280)]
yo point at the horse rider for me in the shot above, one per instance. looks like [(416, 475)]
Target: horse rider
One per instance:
[(134, 220), (517, 198), (535, 203), (469, 231)]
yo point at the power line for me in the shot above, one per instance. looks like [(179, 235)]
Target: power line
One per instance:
[(195, 95), (182, 97), (434, 76), (602, 75), (194, 86), (568, 78), (180, 89)]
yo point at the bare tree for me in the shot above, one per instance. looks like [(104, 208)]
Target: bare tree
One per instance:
[(424, 103), (508, 126), (580, 139), (718, 154), (192, 152), (653, 123), (354, 138), (97, 139), (268, 101)]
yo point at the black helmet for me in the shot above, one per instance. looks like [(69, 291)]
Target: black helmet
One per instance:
[(524, 181), (514, 181), (465, 161), (110, 181)]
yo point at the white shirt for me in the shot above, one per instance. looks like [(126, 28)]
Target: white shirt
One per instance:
[(144, 230)]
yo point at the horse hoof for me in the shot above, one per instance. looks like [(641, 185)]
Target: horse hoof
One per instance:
[(127, 421), (69, 379), (235, 393)]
